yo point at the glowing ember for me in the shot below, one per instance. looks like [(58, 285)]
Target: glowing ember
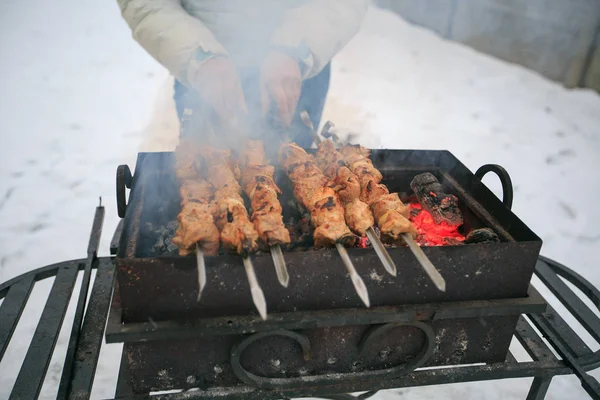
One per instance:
[(430, 233), (363, 243)]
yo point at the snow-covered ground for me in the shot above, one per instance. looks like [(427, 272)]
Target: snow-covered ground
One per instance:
[(79, 97)]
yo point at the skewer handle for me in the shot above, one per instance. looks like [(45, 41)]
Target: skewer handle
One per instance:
[(280, 268), (381, 251), (257, 294), (427, 265), (359, 285), (306, 120)]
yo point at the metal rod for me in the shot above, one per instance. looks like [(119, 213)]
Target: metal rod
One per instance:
[(359, 285), (257, 294), (201, 270), (306, 120), (92, 252), (280, 267), (381, 251), (327, 133), (427, 265)]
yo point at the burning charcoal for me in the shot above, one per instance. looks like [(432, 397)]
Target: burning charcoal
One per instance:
[(442, 206), (482, 235)]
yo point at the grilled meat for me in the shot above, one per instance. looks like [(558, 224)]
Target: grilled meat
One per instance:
[(237, 232), (391, 215), (259, 186), (357, 158), (196, 222), (312, 191), (357, 214)]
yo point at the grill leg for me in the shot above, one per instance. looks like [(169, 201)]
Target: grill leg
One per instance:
[(124, 388), (539, 388)]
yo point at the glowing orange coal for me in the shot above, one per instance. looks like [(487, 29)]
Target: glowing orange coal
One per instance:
[(430, 233)]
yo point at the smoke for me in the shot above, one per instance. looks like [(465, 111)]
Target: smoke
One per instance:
[(162, 131), (247, 31)]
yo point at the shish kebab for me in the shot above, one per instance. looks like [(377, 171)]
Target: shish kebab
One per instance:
[(237, 232), (347, 185), (258, 184), (311, 190), (389, 211), (197, 230)]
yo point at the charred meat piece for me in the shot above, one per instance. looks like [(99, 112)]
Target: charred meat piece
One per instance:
[(391, 215), (196, 225), (259, 186), (198, 191), (196, 222), (311, 189), (357, 158), (357, 214), (237, 232)]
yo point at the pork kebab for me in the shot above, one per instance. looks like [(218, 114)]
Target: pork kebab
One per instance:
[(259, 185), (391, 214), (312, 191), (197, 231), (237, 232), (357, 213)]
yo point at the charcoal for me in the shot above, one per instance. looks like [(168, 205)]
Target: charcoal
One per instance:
[(482, 235), (163, 244), (442, 206)]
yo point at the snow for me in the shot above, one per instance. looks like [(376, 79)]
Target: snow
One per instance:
[(80, 97)]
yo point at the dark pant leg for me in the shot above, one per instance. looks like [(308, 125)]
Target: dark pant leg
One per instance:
[(312, 100)]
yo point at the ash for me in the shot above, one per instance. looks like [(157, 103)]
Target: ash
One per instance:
[(164, 245)]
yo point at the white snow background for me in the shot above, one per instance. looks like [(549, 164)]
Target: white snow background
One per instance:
[(78, 97)]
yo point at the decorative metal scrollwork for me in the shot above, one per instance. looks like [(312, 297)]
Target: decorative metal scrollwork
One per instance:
[(324, 379)]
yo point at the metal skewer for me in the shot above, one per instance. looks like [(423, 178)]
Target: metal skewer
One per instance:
[(306, 121), (280, 267), (427, 265), (357, 281), (201, 270), (381, 251), (257, 294)]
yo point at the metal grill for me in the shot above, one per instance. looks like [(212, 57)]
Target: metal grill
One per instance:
[(88, 329)]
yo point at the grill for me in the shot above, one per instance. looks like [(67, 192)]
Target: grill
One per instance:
[(318, 331), (326, 351)]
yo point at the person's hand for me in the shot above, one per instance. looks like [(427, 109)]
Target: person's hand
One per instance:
[(218, 84), (280, 81)]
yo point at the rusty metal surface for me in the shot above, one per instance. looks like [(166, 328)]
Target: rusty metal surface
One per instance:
[(153, 289), (166, 288), (334, 354)]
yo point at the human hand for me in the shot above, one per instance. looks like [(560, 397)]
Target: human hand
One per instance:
[(280, 81), (218, 84)]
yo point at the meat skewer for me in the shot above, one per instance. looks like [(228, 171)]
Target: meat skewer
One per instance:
[(389, 211), (237, 232), (197, 231), (327, 214), (357, 213), (257, 181)]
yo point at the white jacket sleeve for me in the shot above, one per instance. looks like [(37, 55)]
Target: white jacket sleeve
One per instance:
[(324, 26), (169, 34)]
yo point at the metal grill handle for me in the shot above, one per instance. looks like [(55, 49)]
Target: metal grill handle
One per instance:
[(507, 187), (124, 179)]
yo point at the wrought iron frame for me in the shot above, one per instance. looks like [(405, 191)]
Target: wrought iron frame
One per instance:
[(88, 329)]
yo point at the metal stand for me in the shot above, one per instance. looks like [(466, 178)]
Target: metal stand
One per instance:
[(87, 335)]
